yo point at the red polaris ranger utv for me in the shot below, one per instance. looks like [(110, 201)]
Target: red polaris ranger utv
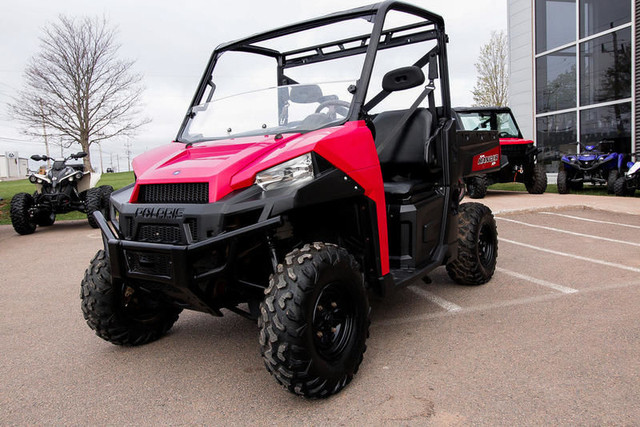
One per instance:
[(306, 172), (518, 161)]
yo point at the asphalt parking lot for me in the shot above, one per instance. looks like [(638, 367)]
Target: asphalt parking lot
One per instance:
[(552, 339)]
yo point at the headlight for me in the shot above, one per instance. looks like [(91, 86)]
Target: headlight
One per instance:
[(39, 181), (71, 178), (295, 171), (33, 179), (78, 175)]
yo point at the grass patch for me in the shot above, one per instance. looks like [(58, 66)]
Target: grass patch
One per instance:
[(589, 189), (9, 188)]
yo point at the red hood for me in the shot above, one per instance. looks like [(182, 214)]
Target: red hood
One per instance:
[(225, 164)]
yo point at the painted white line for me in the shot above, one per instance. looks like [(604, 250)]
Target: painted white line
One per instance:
[(555, 286), (573, 233), (591, 220), (581, 258), (498, 305), (447, 305)]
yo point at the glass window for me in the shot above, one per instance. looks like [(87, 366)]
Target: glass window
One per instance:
[(556, 135), (600, 15), (556, 81), (555, 23), (612, 122), (605, 68)]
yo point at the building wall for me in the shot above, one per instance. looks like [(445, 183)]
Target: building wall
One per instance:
[(13, 166), (543, 77), (520, 25)]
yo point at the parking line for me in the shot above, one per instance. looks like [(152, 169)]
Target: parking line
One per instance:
[(581, 258), (447, 305), (591, 220), (555, 286), (573, 233)]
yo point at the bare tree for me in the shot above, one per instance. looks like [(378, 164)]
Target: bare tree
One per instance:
[(76, 89), (493, 80)]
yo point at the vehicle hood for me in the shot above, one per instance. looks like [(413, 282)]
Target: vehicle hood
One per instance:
[(226, 165)]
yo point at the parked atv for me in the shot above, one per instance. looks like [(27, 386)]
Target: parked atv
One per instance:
[(627, 184), (518, 156), (288, 204), (595, 164), (61, 189)]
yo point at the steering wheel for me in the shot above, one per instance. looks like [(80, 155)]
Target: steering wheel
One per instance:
[(504, 135), (343, 107)]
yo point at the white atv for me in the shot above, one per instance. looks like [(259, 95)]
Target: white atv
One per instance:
[(61, 189)]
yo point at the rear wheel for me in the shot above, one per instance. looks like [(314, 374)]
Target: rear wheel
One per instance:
[(611, 180), (95, 202), (21, 219), (563, 187), (477, 245), (535, 179), (314, 320), (477, 186), (119, 313)]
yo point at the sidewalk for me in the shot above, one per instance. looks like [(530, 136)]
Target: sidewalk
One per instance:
[(512, 201)]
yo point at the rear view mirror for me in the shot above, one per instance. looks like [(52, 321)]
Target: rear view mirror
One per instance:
[(80, 155), (402, 78), (37, 157)]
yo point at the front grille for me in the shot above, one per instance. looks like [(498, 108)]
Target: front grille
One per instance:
[(159, 233), (149, 263), (188, 192)]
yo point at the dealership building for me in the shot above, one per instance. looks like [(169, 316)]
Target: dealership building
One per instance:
[(574, 73)]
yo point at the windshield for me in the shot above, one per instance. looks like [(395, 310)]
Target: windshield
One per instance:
[(273, 110), (486, 120)]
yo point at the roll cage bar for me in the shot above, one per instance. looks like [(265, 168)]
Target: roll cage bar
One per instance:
[(369, 44)]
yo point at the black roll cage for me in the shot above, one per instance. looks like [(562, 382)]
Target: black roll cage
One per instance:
[(369, 44)]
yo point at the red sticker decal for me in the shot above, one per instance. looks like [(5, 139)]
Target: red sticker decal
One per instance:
[(487, 160)]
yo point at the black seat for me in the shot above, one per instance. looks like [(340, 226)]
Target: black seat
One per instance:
[(402, 157), (403, 153)]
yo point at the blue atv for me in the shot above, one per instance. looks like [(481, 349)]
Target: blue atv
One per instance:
[(628, 183), (597, 165)]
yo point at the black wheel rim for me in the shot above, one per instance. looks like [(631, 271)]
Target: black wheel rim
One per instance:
[(334, 321), (486, 245)]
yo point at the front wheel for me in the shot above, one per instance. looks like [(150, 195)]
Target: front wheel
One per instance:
[(477, 246), (119, 313), (20, 214), (535, 179), (314, 320)]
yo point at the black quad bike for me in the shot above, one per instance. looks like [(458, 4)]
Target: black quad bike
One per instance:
[(518, 162), (296, 185), (61, 189)]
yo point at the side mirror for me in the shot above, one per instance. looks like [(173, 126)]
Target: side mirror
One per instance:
[(402, 78), (80, 155), (37, 157)]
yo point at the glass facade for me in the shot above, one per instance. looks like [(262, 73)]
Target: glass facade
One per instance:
[(556, 81), (583, 75), (555, 23), (605, 68), (597, 16)]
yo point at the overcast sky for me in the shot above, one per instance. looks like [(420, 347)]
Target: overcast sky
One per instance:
[(171, 42)]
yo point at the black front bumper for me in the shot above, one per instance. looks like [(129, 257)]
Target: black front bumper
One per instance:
[(178, 271)]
